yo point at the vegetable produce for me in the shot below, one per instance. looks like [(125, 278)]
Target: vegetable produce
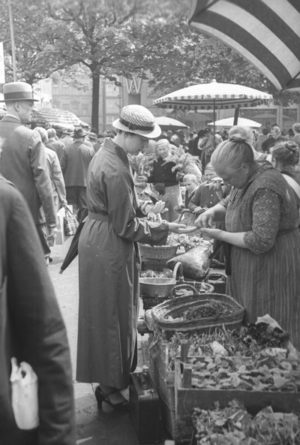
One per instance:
[(233, 425), (185, 241), (236, 360), (149, 273), (204, 309)]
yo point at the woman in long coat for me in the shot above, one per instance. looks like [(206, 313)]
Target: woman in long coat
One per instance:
[(261, 219), (108, 259)]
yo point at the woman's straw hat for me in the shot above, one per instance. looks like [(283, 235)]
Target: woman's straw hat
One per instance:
[(137, 119)]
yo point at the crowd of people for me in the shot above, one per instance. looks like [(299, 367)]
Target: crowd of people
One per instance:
[(243, 189)]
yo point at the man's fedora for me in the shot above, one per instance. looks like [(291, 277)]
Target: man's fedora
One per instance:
[(17, 91)]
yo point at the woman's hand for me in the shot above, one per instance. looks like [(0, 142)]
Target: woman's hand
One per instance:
[(175, 227), (206, 219)]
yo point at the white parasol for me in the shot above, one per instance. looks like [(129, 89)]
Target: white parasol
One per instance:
[(212, 96), (168, 122), (243, 122)]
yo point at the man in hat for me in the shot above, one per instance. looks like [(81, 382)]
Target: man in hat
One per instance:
[(23, 159), (78, 157), (108, 260)]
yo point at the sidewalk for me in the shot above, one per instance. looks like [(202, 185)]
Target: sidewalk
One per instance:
[(93, 427)]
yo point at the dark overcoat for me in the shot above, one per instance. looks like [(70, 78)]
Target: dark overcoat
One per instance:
[(23, 162), (31, 328), (108, 270), (78, 157)]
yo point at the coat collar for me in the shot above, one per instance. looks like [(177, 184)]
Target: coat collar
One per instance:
[(110, 145), (10, 118)]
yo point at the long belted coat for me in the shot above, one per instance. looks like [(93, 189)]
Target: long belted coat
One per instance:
[(108, 270)]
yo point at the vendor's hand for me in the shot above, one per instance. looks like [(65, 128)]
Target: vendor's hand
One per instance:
[(212, 233), (206, 219), (198, 210), (175, 227)]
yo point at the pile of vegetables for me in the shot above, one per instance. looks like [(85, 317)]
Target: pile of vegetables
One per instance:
[(185, 241), (233, 425), (253, 358), (205, 309), (149, 273)]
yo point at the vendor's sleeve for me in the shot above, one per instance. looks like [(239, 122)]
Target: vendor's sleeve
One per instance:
[(265, 222), (224, 202), (196, 199)]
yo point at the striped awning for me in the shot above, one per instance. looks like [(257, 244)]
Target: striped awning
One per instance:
[(266, 32), (54, 116), (213, 96)]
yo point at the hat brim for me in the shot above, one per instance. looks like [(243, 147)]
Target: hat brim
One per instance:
[(146, 134), (19, 100)]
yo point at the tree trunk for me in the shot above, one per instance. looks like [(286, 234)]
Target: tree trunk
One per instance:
[(95, 102)]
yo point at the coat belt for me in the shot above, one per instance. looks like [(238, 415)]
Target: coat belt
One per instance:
[(100, 216)]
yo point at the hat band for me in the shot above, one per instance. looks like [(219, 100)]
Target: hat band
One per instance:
[(18, 95), (131, 126)]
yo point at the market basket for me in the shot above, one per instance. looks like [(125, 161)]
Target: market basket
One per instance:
[(157, 255), (222, 310)]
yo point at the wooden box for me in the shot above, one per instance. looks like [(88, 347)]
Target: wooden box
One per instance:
[(187, 398)]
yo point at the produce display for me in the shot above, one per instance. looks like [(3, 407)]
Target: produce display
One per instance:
[(185, 241), (149, 273), (253, 358), (204, 309), (233, 425)]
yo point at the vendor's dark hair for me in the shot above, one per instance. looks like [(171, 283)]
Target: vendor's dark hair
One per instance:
[(286, 152), (233, 152)]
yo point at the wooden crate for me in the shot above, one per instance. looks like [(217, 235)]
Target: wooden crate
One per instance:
[(187, 398), (163, 380)]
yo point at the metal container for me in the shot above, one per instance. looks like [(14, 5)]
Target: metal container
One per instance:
[(157, 287)]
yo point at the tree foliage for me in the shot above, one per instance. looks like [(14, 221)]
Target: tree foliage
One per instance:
[(111, 38)]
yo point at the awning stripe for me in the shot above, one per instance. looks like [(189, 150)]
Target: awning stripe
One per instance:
[(242, 50), (274, 16), (296, 4), (270, 41), (248, 41)]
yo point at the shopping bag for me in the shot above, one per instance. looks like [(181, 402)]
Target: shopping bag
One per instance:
[(70, 222), (24, 393)]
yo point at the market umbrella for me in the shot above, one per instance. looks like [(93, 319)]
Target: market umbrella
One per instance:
[(243, 122), (169, 123), (266, 32), (212, 96), (54, 117)]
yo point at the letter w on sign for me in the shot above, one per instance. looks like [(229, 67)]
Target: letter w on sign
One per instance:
[(133, 85)]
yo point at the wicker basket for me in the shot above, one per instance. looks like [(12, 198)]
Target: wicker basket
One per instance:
[(162, 314), (159, 253)]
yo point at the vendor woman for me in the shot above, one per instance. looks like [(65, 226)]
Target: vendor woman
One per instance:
[(261, 220), (164, 179)]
